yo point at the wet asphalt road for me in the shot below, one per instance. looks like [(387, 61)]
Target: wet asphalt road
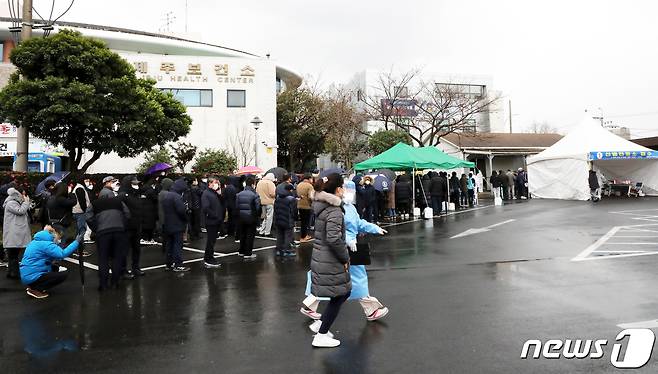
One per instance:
[(456, 305)]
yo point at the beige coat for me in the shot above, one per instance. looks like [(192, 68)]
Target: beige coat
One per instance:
[(305, 192), (266, 190)]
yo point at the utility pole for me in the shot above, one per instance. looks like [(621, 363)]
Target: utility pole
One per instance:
[(22, 133), (510, 115)]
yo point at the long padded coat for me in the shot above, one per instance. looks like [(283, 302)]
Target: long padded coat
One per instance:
[(328, 275)]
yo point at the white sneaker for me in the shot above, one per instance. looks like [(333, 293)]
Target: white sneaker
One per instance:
[(324, 341), (315, 327)]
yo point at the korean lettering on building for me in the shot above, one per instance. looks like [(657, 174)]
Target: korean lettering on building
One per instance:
[(168, 71)]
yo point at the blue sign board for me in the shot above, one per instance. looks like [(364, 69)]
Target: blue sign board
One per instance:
[(623, 155)]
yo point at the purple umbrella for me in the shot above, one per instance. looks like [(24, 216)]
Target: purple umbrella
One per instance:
[(160, 166)]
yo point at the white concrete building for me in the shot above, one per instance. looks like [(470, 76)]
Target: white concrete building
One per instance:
[(223, 89), (367, 83)]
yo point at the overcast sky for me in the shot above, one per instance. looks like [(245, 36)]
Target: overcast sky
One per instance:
[(553, 59)]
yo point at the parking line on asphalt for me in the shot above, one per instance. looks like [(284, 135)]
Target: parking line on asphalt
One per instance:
[(582, 255), (217, 255), (85, 263), (265, 238)]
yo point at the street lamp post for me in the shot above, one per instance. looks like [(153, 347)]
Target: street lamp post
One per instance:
[(22, 133), (256, 122)]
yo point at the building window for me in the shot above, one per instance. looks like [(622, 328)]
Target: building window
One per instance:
[(470, 126), (402, 91), (192, 98), (236, 98), (471, 91)]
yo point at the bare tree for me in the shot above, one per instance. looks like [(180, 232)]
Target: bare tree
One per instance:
[(344, 124), (429, 110), (389, 92), (241, 146), (537, 127)]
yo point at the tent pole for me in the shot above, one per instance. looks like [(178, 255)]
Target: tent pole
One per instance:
[(413, 194)]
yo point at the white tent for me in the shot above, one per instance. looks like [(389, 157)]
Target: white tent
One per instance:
[(561, 171)]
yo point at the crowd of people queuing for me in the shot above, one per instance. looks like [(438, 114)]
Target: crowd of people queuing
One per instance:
[(121, 216)]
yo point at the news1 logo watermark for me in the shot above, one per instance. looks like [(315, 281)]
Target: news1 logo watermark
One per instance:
[(638, 344)]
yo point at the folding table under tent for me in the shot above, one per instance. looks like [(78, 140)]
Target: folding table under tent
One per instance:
[(561, 171)]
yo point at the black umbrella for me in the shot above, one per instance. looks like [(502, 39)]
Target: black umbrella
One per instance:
[(390, 174), (278, 172), (328, 172), (380, 182)]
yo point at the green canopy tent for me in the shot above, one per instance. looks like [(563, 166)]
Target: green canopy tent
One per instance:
[(445, 160), (405, 157)]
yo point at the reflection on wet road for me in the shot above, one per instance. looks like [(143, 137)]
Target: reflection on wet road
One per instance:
[(457, 305)]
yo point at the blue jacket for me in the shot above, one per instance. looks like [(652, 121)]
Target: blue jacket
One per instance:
[(174, 209), (285, 209), (354, 225), (39, 255), (247, 203)]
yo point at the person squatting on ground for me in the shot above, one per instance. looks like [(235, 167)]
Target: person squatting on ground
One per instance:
[(266, 191), (330, 275), (248, 205), (16, 232), (37, 270), (213, 213), (354, 226), (107, 217), (285, 215), (175, 223)]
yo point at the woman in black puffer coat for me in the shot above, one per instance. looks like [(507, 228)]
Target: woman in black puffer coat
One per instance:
[(330, 276)]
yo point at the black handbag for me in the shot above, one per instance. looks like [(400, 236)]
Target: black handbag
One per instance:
[(361, 256)]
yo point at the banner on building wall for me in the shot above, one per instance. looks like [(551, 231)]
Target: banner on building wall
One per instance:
[(399, 107)]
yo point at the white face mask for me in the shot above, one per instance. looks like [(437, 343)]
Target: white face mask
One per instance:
[(115, 187), (135, 187), (348, 197), (215, 187), (367, 182), (89, 186), (204, 180)]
